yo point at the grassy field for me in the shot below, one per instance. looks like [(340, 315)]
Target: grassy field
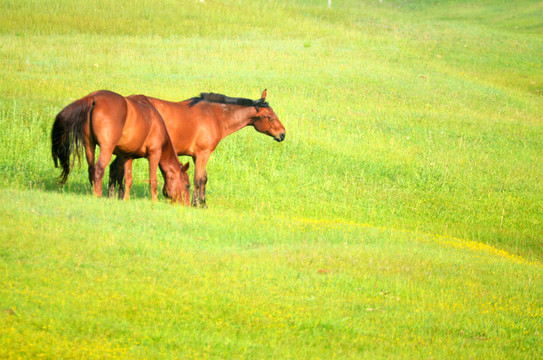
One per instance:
[(402, 217)]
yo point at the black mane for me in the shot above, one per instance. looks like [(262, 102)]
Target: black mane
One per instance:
[(223, 99)]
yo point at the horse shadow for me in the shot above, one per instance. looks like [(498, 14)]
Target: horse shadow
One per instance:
[(81, 187)]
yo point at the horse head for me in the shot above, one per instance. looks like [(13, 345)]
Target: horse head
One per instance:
[(178, 189), (266, 121)]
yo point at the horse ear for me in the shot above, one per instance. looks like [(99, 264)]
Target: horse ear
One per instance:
[(185, 167), (264, 93)]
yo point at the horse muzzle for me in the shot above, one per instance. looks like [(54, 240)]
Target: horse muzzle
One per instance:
[(280, 137)]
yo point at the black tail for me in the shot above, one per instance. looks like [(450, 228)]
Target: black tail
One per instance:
[(67, 134)]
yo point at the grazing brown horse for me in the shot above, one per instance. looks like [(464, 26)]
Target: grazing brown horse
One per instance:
[(197, 125), (129, 127)]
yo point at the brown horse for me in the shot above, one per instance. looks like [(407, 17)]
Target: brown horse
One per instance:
[(129, 127), (197, 125)]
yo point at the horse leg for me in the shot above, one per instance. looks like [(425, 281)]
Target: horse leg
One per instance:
[(103, 161), (153, 164), (127, 179), (200, 180), (90, 148), (116, 174)]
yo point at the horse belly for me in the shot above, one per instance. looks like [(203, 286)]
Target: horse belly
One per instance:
[(131, 146), (135, 133)]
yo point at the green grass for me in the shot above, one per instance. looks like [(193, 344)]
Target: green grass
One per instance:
[(103, 282), (401, 217)]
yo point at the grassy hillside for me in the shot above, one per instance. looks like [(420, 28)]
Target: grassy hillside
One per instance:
[(402, 216)]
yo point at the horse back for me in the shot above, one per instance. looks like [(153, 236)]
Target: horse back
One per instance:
[(123, 124), (191, 128)]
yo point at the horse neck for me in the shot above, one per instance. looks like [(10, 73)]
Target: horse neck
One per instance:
[(236, 118), (169, 163)]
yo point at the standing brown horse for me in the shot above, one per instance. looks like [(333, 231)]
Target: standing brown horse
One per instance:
[(197, 125), (129, 127)]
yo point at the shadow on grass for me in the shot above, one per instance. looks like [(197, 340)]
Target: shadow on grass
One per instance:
[(76, 186), (21, 176)]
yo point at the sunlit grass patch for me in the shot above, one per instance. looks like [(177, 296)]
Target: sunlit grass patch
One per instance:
[(326, 225)]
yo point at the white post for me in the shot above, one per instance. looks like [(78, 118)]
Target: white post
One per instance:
[(329, 3)]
